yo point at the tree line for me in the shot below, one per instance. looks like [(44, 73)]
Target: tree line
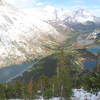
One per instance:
[(68, 75)]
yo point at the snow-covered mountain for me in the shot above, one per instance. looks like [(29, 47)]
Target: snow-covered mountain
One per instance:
[(22, 36), (24, 33), (78, 20), (61, 14)]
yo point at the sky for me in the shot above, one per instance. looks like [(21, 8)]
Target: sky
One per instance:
[(91, 5)]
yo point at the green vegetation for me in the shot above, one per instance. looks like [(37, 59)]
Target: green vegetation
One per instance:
[(54, 76)]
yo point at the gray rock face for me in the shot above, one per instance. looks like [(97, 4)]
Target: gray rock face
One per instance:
[(22, 37)]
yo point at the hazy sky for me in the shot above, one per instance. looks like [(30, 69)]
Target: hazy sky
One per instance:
[(92, 5)]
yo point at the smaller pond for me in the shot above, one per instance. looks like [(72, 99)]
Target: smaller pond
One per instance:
[(88, 64), (84, 42), (94, 49)]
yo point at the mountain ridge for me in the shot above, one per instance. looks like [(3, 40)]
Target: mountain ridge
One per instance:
[(24, 34)]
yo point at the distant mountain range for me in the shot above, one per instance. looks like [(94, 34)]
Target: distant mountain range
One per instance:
[(24, 33), (61, 14)]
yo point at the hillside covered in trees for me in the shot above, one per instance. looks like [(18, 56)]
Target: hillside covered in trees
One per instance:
[(54, 76)]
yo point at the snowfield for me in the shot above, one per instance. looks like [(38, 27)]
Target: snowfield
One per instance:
[(22, 35), (78, 94)]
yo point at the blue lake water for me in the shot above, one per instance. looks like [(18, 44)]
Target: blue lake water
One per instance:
[(94, 50), (89, 64), (92, 63), (8, 73), (11, 72), (85, 42)]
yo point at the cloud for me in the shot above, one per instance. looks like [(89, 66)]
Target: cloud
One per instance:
[(78, 1), (79, 6), (96, 12), (40, 4), (36, 3), (21, 3), (95, 9)]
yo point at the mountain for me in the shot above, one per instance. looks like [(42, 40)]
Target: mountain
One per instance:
[(22, 36), (61, 14), (25, 34), (78, 20)]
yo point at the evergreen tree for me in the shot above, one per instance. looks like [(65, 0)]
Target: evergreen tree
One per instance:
[(63, 77), (45, 87), (2, 92)]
